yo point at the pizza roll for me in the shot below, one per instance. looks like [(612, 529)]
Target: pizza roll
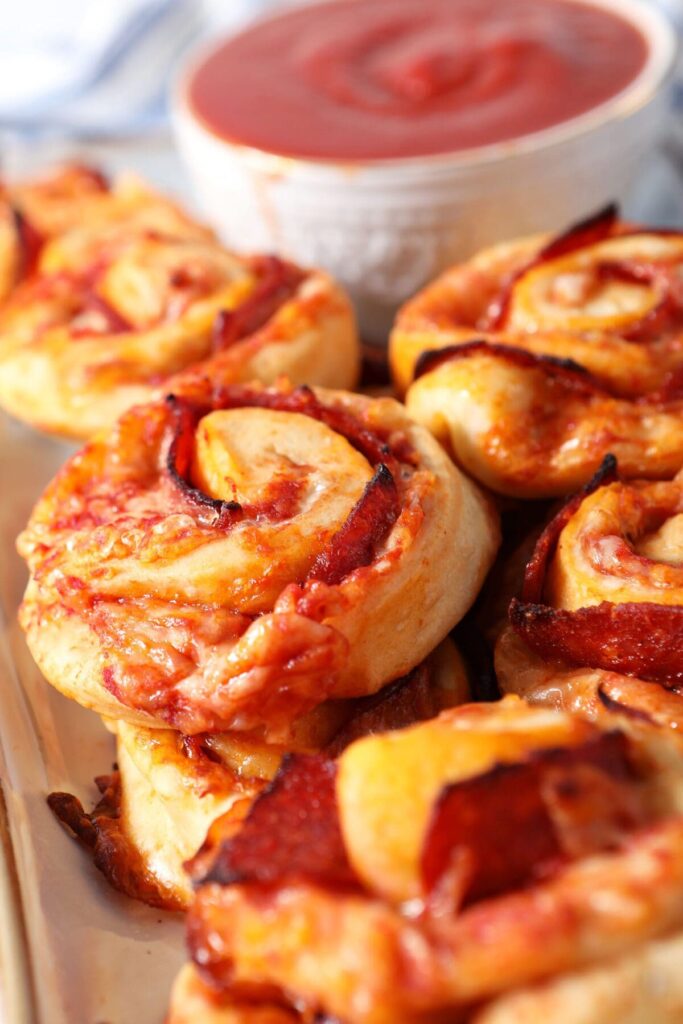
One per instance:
[(128, 208), (158, 808), (639, 988), (531, 426), (228, 559), (605, 294), (120, 309), (604, 587), (60, 221), (431, 872), (599, 626), (195, 1002), (33, 212)]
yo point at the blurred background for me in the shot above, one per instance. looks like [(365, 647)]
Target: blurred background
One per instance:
[(91, 79)]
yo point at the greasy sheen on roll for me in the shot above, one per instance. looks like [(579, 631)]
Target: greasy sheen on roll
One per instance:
[(231, 557), (599, 624), (605, 294), (531, 426), (117, 307), (159, 807), (497, 856)]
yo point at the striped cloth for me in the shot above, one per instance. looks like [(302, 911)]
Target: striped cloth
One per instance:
[(99, 67)]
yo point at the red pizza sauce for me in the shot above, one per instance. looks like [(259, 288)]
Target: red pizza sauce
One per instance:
[(376, 79)]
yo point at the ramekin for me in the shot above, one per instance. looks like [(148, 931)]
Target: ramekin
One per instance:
[(385, 227)]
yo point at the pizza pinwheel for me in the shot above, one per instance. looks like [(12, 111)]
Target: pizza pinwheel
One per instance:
[(599, 625), (231, 557), (606, 294), (475, 867), (134, 293)]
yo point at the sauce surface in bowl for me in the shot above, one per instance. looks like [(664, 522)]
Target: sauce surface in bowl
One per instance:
[(377, 79)]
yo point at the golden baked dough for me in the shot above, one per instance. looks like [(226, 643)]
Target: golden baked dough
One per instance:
[(421, 879), (605, 294), (604, 587), (129, 207), (642, 988), (171, 788), (195, 1002), (599, 628), (121, 306), (33, 212), (229, 559), (647, 712), (60, 222), (530, 427)]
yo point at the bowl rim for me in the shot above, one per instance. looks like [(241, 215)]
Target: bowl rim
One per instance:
[(662, 45)]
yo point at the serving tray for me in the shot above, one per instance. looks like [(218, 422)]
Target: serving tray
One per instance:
[(72, 951)]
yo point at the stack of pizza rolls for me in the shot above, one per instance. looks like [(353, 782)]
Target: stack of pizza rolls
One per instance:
[(159, 806), (549, 366), (128, 293), (245, 566), (537, 358), (251, 573), (498, 863)]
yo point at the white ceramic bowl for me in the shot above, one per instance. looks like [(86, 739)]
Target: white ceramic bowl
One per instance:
[(384, 227)]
